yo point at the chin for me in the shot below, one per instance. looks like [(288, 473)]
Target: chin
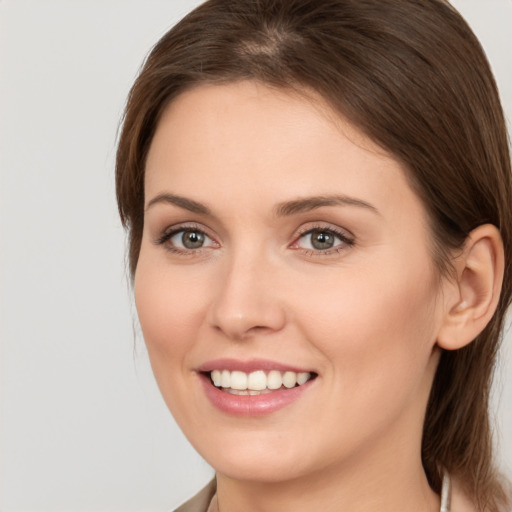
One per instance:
[(255, 457), (263, 470)]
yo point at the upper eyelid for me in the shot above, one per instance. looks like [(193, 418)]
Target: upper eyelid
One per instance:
[(170, 231), (186, 226), (327, 226)]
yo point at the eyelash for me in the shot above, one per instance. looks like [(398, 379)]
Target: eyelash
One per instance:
[(346, 241), (168, 235)]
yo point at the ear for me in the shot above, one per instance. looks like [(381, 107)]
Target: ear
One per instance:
[(472, 296)]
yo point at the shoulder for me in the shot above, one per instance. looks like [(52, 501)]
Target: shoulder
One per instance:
[(201, 501)]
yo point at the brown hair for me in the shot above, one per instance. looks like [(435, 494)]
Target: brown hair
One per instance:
[(412, 76)]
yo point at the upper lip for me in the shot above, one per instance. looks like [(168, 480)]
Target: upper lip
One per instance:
[(249, 366)]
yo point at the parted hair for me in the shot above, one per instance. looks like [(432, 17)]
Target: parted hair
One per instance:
[(411, 75)]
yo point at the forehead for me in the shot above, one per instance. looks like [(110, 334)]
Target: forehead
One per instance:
[(251, 128), (235, 101)]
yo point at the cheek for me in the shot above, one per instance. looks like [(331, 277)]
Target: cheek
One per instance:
[(170, 314), (169, 310), (377, 329)]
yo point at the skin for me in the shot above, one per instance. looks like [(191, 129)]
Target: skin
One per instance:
[(365, 316)]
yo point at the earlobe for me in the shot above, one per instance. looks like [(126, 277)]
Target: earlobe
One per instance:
[(476, 289)]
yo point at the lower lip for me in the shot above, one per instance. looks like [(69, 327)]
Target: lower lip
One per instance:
[(252, 405)]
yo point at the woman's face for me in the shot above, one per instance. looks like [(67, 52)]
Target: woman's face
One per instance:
[(281, 247)]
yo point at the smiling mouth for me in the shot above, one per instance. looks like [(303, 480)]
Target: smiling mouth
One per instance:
[(257, 382)]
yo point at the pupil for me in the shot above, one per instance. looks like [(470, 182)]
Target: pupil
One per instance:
[(192, 239), (322, 240)]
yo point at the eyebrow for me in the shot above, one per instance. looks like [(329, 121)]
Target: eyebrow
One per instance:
[(311, 203), (182, 202), (284, 209)]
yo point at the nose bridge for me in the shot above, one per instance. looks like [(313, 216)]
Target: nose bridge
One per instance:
[(246, 301)]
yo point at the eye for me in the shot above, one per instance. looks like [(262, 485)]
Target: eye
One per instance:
[(323, 240), (320, 239), (189, 239), (186, 239)]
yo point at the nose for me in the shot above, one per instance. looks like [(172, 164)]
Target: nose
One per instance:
[(247, 300)]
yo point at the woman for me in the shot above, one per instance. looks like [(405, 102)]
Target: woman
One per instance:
[(319, 203)]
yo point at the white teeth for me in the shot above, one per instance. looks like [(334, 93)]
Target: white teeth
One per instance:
[(257, 381), (232, 391), (225, 381), (274, 380), (303, 377), (238, 380), (289, 379), (216, 378), (241, 383)]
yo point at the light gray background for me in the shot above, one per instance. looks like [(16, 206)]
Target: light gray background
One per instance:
[(82, 426)]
